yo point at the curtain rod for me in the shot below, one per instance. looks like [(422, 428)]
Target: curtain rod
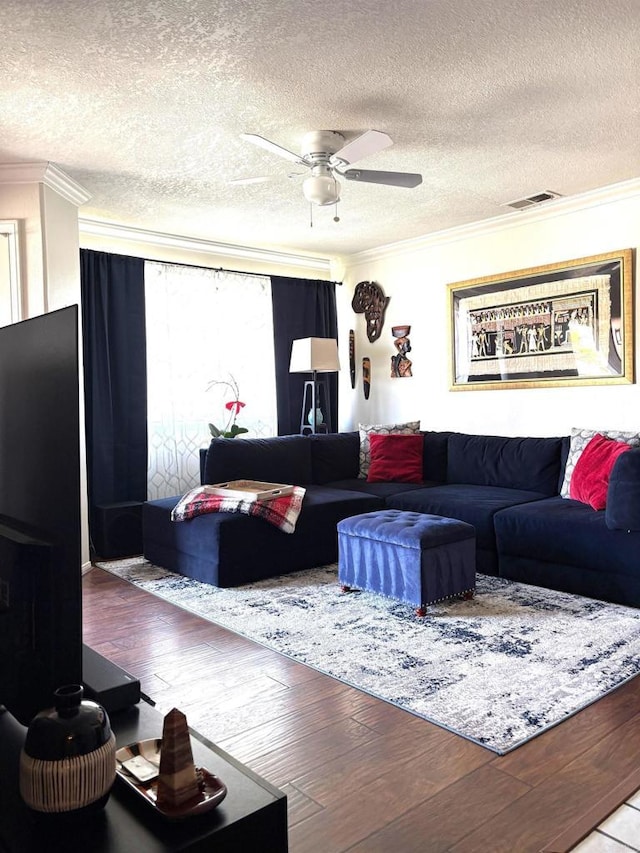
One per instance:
[(236, 272)]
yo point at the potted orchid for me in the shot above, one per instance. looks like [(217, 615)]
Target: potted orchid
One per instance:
[(234, 406)]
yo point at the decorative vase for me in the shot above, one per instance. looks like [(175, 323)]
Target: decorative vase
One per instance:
[(68, 763), (319, 418)]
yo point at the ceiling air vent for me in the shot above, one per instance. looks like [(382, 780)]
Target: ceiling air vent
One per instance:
[(532, 200)]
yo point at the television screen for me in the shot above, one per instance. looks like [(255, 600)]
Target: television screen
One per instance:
[(40, 548)]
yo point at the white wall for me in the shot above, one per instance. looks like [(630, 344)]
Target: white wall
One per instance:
[(48, 245), (415, 278), (62, 259), (49, 274), (22, 202)]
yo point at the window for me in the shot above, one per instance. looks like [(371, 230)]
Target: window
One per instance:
[(203, 325)]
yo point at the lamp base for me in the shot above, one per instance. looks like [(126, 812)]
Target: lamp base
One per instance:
[(308, 423), (315, 419)]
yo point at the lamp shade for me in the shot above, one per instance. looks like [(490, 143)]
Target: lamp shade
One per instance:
[(314, 354)]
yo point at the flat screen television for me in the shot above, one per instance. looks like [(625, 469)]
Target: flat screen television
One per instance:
[(40, 526)]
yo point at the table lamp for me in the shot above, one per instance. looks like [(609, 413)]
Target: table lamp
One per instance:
[(313, 355)]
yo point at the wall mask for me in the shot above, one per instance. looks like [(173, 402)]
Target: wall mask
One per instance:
[(369, 299)]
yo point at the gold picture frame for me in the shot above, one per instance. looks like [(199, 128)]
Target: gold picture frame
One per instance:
[(561, 324)]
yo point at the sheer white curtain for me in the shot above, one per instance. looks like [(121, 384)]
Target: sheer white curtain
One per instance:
[(203, 325)]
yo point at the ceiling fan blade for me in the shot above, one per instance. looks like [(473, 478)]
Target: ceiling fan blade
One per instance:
[(272, 147), (368, 143), (390, 179), (263, 179), (258, 179)]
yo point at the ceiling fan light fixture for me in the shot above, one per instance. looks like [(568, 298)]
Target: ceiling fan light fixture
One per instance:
[(321, 187)]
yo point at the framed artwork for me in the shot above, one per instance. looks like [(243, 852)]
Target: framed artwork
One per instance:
[(561, 324)]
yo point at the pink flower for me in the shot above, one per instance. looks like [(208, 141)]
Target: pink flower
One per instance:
[(234, 406)]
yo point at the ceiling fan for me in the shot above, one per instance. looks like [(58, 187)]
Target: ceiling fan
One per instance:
[(327, 154)]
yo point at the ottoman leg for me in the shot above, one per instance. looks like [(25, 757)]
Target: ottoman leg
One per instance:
[(468, 595), (421, 611), (345, 588)]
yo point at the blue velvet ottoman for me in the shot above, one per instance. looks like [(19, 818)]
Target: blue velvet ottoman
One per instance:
[(411, 556)]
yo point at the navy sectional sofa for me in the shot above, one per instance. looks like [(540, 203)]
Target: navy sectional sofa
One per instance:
[(507, 488)]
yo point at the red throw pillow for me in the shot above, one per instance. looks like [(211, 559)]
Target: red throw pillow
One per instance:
[(395, 458), (590, 478)]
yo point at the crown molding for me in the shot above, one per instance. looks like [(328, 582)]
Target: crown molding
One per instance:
[(514, 219), (45, 173), (102, 228)]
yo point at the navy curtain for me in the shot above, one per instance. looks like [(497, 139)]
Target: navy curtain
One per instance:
[(115, 381), (302, 308)]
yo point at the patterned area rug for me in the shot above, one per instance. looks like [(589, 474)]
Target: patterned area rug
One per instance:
[(498, 670)]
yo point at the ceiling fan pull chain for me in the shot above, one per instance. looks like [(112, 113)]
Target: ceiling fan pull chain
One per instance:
[(310, 215)]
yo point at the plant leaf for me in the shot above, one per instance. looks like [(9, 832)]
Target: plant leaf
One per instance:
[(236, 430)]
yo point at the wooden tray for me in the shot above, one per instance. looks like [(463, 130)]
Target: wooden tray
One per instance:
[(249, 490)]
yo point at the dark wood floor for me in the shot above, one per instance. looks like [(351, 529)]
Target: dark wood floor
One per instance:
[(360, 774)]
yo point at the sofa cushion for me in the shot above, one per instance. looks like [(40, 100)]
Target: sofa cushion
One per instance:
[(623, 495), (474, 504), (526, 464), (579, 440), (334, 456), (395, 458), (283, 459), (366, 430), (590, 478), (229, 549), (566, 533), (383, 490)]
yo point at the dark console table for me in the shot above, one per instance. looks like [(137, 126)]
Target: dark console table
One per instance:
[(253, 816)]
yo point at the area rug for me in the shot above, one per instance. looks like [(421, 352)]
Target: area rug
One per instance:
[(498, 670)]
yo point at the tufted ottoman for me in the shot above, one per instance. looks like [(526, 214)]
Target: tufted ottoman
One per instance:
[(417, 558)]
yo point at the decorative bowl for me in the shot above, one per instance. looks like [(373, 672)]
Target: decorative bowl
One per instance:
[(400, 331)]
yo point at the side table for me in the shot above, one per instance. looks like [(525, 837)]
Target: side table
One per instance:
[(253, 816)]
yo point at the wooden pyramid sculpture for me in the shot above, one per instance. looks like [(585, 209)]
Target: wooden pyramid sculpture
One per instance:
[(177, 780)]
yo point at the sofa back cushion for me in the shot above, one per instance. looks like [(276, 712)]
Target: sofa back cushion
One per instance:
[(283, 459), (623, 494), (334, 456), (434, 456), (532, 464)]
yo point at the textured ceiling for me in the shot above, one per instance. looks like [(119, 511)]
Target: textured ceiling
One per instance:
[(143, 103)]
